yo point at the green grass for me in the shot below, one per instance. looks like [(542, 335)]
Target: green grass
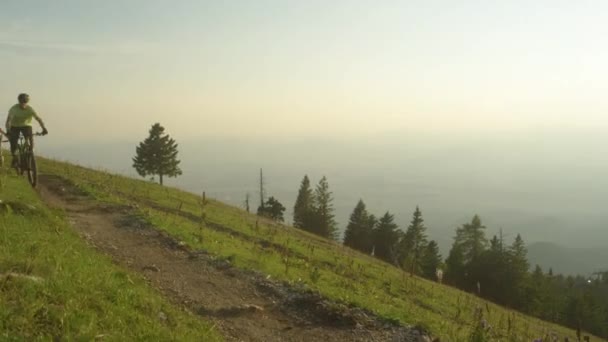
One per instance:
[(298, 257), (61, 288)]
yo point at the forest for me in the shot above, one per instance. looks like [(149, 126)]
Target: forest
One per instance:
[(490, 267)]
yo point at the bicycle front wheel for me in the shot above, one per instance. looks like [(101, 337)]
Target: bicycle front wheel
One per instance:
[(32, 170), (18, 164)]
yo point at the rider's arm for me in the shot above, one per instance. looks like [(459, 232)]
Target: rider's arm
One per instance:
[(39, 121)]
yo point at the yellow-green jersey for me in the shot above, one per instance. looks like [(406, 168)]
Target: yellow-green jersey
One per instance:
[(21, 117)]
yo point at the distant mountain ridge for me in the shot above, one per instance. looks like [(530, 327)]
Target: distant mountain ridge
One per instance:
[(566, 260)]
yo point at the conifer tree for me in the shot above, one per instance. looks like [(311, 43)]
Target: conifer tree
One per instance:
[(303, 208), (496, 245), (517, 271), (489, 270), (430, 261), (537, 293), (246, 203), (471, 237), (262, 192), (385, 238), (372, 222), (323, 222), (471, 242), (455, 273), (519, 254), (414, 243), (157, 155), (272, 209), (358, 233)]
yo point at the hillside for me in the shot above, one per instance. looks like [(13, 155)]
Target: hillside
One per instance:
[(340, 280), (54, 286)]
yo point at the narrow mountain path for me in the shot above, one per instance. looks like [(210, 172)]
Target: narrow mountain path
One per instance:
[(243, 305)]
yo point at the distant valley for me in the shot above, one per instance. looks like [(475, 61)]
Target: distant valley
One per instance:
[(526, 187), (568, 260)]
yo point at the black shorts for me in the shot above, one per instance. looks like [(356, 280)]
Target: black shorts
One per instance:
[(27, 131), (13, 134)]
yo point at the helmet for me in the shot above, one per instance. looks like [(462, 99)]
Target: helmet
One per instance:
[(23, 98)]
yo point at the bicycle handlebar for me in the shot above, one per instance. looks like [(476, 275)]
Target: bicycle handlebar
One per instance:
[(37, 134)]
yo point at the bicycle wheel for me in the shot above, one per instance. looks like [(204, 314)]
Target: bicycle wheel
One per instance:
[(18, 164), (32, 170)]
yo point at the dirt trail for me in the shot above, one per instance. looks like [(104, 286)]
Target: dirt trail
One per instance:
[(243, 305)]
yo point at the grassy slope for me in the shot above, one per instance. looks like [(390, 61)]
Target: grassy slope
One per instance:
[(299, 257), (77, 294)]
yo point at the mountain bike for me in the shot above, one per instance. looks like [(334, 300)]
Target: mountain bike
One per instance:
[(25, 160)]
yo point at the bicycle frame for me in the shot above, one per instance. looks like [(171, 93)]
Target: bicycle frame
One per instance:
[(23, 145), (25, 160)]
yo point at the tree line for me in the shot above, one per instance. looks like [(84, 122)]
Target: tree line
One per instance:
[(501, 273), (380, 236), (491, 268)]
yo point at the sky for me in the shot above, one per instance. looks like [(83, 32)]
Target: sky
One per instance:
[(496, 108), (106, 70)]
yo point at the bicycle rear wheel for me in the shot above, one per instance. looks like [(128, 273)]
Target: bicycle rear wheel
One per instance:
[(32, 170)]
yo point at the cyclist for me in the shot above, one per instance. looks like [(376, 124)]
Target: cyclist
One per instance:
[(19, 120)]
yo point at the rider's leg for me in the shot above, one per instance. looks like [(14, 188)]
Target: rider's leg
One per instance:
[(13, 137)]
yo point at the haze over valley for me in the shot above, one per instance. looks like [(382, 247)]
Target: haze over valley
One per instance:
[(547, 184)]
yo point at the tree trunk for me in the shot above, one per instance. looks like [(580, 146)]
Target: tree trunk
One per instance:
[(161, 178), (414, 263)]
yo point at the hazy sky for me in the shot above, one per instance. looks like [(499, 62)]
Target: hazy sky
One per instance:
[(108, 69)]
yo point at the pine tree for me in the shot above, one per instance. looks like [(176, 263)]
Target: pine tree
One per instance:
[(455, 273), (496, 244), (430, 261), (517, 271), (469, 243), (358, 233), (519, 254), (372, 222), (323, 222), (385, 238), (303, 208), (537, 294), (414, 243), (247, 197), (489, 270), (472, 239), (262, 192), (157, 155), (272, 209)]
